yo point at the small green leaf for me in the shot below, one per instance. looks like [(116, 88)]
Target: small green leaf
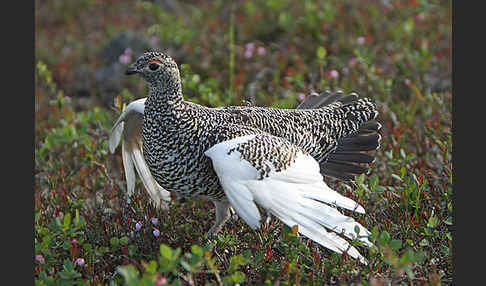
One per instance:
[(448, 235), (129, 273), (186, 265), (374, 234), (396, 177), (236, 262), (151, 267), (321, 53), (238, 277), (373, 181), (132, 249), (114, 242), (402, 153), (395, 244), (66, 222), (383, 238), (409, 25), (448, 221), (432, 222), (197, 250), (379, 189), (424, 242), (166, 251), (419, 256), (124, 240), (68, 265), (76, 218)]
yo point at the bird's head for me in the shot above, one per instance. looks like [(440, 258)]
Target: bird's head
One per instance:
[(156, 68)]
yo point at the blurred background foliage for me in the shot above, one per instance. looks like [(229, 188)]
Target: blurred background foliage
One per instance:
[(398, 53)]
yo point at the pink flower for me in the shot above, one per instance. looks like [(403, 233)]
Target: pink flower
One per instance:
[(235, 216), (128, 52), (79, 261), (161, 280), (154, 41), (301, 96), (420, 17), (154, 221), (361, 40), (156, 232), (261, 51), (40, 258), (249, 50), (138, 226), (333, 74), (126, 57), (353, 62)]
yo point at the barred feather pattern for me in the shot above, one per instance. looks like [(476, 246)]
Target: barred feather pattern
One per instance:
[(267, 154)]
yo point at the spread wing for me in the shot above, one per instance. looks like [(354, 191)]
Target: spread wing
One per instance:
[(270, 172), (129, 127)]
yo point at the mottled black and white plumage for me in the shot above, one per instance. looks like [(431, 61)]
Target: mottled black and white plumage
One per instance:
[(241, 156)]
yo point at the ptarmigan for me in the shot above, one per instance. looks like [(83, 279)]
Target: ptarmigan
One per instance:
[(244, 156)]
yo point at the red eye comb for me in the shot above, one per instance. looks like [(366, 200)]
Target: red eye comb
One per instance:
[(154, 61)]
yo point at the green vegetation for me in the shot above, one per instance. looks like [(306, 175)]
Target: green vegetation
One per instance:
[(398, 53)]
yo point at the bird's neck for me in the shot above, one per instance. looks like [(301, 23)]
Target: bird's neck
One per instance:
[(165, 99)]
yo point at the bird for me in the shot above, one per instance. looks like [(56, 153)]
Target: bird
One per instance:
[(245, 157)]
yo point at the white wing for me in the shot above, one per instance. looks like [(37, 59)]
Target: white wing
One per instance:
[(129, 125), (296, 196)]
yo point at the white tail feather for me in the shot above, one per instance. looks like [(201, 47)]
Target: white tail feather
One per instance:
[(242, 201), (128, 166), (115, 136), (290, 203), (158, 194), (129, 125)]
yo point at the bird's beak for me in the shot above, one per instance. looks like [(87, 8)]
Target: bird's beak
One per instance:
[(131, 70)]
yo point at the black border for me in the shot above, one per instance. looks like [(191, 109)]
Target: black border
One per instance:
[(17, 137)]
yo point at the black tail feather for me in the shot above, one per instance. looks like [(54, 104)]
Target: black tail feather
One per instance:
[(352, 97), (328, 98), (359, 143), (336, 174), (315, 100), (354, 157), (344, 167), (369, 127), (312, 101)]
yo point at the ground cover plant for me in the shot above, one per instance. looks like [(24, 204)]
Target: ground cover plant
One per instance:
[(398, 53)]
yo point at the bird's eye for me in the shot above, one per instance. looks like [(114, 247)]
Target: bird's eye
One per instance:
[(153, 66)]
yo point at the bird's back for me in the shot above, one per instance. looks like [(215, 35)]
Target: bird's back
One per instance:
[(318, 129)]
